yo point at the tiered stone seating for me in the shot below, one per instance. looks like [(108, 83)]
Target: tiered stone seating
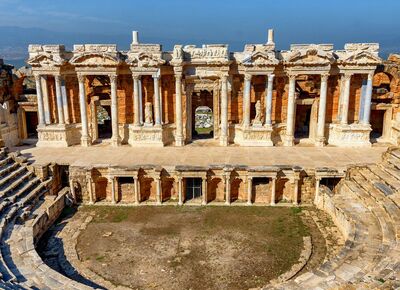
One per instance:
[(366, 206)]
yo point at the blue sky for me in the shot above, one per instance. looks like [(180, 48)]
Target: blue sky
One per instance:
[(231, 21)]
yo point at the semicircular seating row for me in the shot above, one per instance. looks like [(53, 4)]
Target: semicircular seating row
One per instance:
[(365, 206)]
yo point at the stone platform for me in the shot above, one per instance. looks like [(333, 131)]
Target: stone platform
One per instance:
[(197, 155)]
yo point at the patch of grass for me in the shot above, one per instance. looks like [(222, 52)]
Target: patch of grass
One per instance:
[(119, 217), (100, 258), (296, 210)]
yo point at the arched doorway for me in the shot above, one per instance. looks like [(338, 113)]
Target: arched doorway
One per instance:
[(202, 115)]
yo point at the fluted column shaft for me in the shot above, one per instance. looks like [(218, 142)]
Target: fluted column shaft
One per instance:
[(273, 191), (227, 189), (157, 101), (291, 111), (158, 189), (114, 111), (246, 100), (346, 99), (368, 97), (136, 185), (268, 99), (249, 190), (204, 190), (112, 183), (83, 109), (60, 106), (180, 191), (178, 110), (224, 111), (322, 110), (39, 98), (136, 103)]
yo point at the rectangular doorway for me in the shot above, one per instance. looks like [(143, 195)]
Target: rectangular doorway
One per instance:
[(193, 188), (377, 121), (31, 124)]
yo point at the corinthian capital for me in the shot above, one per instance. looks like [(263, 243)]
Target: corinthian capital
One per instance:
[(37, 76), (324, 77), (371, 76), (113, 78), (247, 77), (81, 78)]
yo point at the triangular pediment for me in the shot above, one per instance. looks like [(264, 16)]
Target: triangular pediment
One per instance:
[(363, 57), (89, 59), (45, 60), (310, 57), (260, 58)]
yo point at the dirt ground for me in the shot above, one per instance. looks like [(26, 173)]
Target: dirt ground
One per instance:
[(193, 247)]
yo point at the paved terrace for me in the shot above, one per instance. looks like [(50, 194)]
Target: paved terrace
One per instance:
[(306, 157)]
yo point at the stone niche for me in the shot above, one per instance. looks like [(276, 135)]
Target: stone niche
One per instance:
[(59, 135), (352, 135)]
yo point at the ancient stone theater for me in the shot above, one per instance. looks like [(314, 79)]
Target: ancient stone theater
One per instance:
[(312, 127)]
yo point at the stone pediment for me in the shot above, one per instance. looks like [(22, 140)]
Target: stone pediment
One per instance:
[(95, 59), (309, 55), (261, 58), (46, 60), (145, 59), (362, 57)]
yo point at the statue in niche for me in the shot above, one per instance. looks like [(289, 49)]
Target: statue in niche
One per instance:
[(148, 114), (257, 119)]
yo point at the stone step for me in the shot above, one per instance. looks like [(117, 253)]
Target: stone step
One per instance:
[(390, 169), (386, 177), (5, 161), (377, 183), (8, 168), (12, 175), (22, 191), (34, 193), (395, 153), (15, 184), (393, 161)]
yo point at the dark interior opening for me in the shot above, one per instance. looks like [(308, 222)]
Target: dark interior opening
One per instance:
[(330, 182), (377, 117), (193, 188), (302, 126), (31, 124)]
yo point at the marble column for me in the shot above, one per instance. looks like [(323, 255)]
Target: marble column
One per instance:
[(268, 100), (290, 119), (296, 191), (157, 101), (85, 139), (204, 190), (249, 189), (180, 190), (136, 185), (140, 99), (273, 190), (115, 139), (64, 101), (178, 111), (322, 111), (346, 99), (39, 98), (60, 106), (224, 111), (246, 100), (367, 102), (136, 102), (46, 103), (158, 190), (228, 188), (113, 197)]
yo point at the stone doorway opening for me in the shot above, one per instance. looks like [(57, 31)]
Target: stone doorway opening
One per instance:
[(125, 192), (31, 124), (193, 189), (303, 118), (377, 124), (202, 115), (104, 121), (261, 191)]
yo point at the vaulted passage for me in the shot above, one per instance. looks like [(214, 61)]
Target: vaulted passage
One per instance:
[(202, 115)]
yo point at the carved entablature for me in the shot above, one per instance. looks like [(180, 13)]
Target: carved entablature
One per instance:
[(213, 54), (359, 54), (309, 55), (145, 55), (47, 56), (95, 55)]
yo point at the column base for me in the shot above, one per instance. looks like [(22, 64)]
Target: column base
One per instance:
[(85, 141), (223, 141), (227, 202), (115, 141), (288, 141), (273, 203), (179, 141), (180, 203), (320, 142)]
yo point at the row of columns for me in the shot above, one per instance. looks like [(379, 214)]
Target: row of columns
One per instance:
[(247, 100), (138, 100), (112, 182), (345, 99), (43, 100)]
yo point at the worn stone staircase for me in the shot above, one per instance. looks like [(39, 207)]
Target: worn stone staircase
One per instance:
[(366, 207)]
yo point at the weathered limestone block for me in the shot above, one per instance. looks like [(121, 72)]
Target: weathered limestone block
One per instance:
[(353, 135), (253, 136), (58, 135), (150, 135)]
